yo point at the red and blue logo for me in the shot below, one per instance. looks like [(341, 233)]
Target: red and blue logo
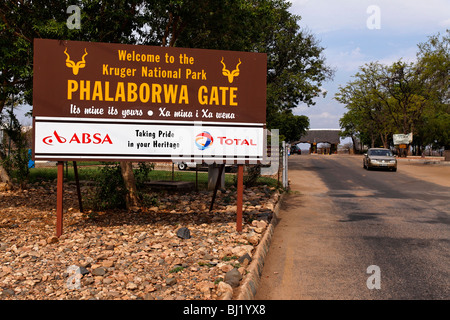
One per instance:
[(203, 140)]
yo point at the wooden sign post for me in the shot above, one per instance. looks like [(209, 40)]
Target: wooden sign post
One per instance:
[(239, 196), (59, 199)]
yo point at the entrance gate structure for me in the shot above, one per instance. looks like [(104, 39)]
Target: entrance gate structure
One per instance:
[(316, 136)]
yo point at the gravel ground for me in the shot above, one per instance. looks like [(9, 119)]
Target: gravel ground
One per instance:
[(174, 251)]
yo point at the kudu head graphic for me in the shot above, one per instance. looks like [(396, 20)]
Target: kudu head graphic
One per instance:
[(75, 66), (231, 74)]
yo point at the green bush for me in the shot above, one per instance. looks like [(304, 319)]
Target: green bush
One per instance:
[(109, 191)]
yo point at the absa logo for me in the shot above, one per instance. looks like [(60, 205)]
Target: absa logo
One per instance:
[(203, 140), (83, 138)]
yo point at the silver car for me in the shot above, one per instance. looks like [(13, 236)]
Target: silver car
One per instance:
[(380, 158)]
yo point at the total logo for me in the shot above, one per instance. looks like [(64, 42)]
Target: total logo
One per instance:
[(205, 140), (80, 138)]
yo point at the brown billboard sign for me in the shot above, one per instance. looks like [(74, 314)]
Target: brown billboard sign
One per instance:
[(105, 80), (113, 101)]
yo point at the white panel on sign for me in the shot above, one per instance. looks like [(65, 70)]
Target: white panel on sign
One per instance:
[(56, 139)]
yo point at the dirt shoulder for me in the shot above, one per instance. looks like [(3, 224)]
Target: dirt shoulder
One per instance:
[(435, 173)]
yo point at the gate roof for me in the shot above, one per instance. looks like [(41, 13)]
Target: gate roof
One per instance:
[(330, 136)]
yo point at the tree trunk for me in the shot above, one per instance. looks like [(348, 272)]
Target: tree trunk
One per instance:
[(354, 144), (384, 140), (132, 200), (5, 179)]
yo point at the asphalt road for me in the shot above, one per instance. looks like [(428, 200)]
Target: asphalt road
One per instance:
[(340, 219)]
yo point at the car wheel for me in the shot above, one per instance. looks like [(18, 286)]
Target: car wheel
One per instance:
[(394, 170), (182, 166)]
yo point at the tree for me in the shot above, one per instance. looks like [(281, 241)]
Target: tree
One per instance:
[(296, 68), (433, 66), (292, 127), (402, 98), (368, 117)]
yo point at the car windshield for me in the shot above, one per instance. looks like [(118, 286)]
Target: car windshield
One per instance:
[(386, 153)]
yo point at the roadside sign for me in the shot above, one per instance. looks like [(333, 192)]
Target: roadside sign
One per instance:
[(104, 101), (400, 139)]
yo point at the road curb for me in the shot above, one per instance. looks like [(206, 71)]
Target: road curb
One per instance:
[(249, 286)]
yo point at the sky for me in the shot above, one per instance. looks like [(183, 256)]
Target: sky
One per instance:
[(355, 32)]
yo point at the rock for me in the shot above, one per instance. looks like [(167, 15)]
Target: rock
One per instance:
[(207, 256), (184, 233), (224, 288), (233, 277), (226, 267), (204, 287), (131, 286), (107, 263), (86, 281), (171, 281), (142, 236), (241, 250), (53, 239), (245, 259), (259, 230), (260, 224), (253, 238), (8, 292), (83, 271), (100, 271)]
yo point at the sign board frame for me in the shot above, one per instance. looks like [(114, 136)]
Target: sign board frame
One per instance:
[(105, 101)]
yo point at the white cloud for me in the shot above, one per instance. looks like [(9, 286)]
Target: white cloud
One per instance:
[(324, 120), (407, 55), (445, 23), (347, 60), (325, 114)]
